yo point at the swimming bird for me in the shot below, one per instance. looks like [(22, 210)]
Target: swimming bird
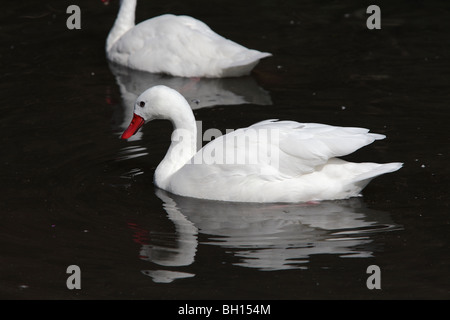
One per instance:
[(176, 45), (270, 161)]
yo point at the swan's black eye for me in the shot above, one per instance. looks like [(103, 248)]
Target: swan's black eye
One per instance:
[(142, 104)]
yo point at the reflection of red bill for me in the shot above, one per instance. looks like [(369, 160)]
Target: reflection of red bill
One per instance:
[(134, 126)]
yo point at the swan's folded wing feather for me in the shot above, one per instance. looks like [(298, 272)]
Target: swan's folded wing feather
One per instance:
[(169, 40), (283, 149)]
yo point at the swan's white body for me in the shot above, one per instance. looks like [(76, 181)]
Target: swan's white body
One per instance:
[(176, 45), (279, 161)]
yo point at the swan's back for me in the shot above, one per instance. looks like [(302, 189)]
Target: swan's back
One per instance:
[(280, 161), (290, 147), (182, 46)]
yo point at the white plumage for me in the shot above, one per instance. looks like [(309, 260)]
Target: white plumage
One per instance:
[(176, 45), (271, 161)]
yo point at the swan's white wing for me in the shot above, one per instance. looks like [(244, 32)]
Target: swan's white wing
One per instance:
[(179, 45), (281, 149), (196, 35)]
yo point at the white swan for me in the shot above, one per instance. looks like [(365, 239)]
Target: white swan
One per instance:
[(176, 45), (271, 161)]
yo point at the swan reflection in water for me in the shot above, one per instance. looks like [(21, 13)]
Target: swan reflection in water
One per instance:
[(199, 92), (265, 237)]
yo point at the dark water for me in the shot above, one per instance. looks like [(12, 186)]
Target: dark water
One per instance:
[(72, 193)]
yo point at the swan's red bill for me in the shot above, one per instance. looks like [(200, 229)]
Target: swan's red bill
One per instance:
[(136, 123)]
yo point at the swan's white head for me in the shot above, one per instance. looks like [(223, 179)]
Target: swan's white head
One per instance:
[(158, 102)]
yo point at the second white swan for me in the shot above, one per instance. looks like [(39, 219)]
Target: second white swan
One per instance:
[(176, 45)]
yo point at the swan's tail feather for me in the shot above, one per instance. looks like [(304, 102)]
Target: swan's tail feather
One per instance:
[(377, 136), (377, 171), (244, 66), (250, 59)]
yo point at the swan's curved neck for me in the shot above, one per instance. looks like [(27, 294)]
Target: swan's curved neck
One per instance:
[(123, 23), (181, 150)]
